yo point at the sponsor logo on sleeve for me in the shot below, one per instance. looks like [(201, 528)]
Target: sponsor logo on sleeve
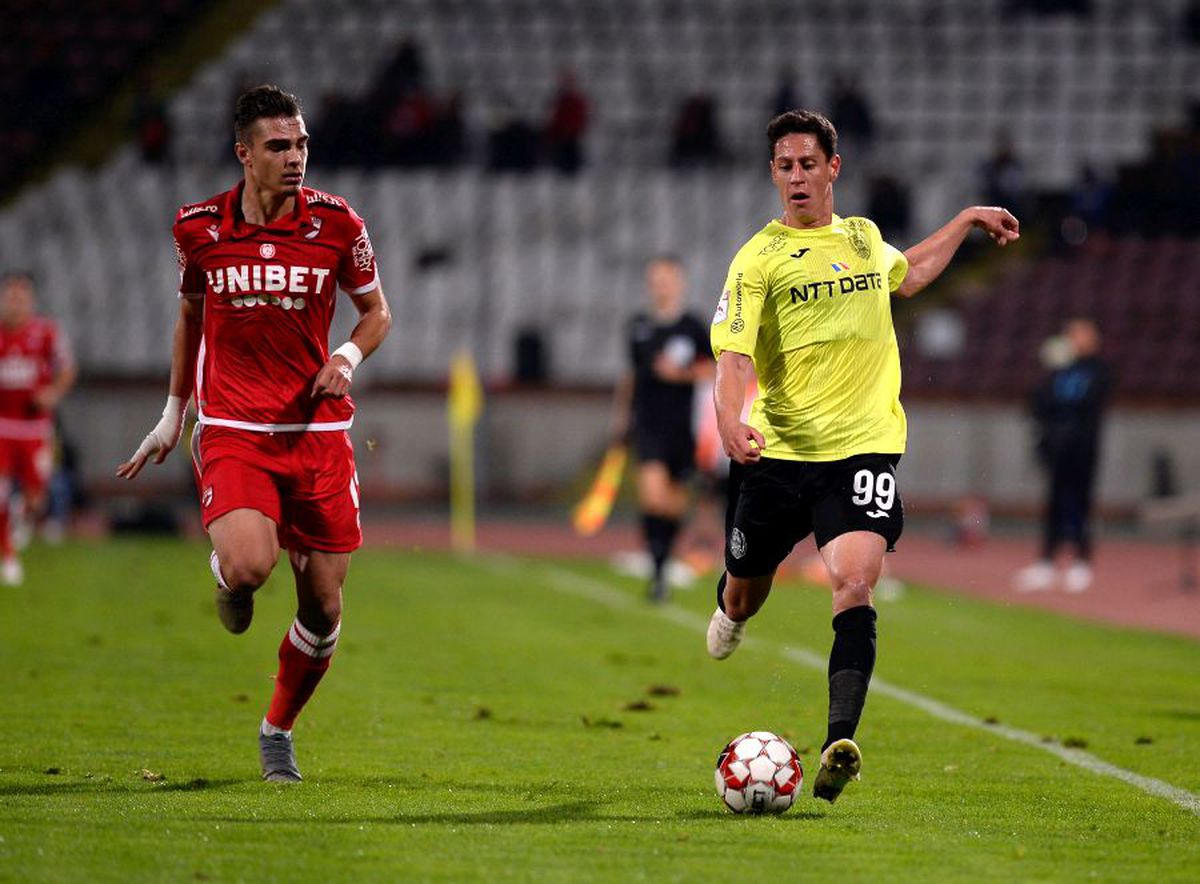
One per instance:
[(319, 196), (196, 210), (722, 312), (738, 324), (363, 254)]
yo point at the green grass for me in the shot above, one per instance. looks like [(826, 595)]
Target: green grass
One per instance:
[(449, 740)]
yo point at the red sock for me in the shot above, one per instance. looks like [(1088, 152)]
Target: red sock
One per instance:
[(6, 494), (303, 658)]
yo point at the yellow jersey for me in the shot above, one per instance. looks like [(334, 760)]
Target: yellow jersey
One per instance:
[(812, 308)]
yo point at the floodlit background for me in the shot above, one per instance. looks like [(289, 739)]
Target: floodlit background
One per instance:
[(522, 714), (517, 162)]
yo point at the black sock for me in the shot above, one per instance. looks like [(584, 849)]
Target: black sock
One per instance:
[(721, 592), (850, 665), (660, 534)]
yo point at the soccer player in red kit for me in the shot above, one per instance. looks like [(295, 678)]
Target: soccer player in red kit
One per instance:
[(260, 266), (36, 371)]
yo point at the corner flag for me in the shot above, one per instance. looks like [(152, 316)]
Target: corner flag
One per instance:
[(463, 407)]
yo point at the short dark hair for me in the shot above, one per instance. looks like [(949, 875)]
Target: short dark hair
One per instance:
[(665, 258), (262, 103), (18, 276), (803, 122)]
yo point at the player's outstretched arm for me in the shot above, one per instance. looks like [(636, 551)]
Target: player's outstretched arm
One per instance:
[(159, 442), (375, 319), (928, 258), (741, 441)]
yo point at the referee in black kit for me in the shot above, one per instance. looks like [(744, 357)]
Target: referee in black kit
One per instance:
[(669, 352)]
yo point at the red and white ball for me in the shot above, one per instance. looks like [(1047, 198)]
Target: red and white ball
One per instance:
[(758, 772)]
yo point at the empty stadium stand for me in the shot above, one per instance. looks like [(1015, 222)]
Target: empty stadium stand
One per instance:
[(564, 254)]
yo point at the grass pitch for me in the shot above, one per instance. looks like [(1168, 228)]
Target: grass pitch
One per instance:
[(507, 719)]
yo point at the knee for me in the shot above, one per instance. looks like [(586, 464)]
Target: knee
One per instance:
[(321, 615), (852, 592), (740, 603), (246, 574), (737, 609), (330, 610)]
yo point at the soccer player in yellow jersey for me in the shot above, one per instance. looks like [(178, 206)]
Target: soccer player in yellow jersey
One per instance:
[(807, 306)]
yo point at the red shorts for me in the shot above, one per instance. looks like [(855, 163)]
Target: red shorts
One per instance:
[(28, 462), (304, 482)]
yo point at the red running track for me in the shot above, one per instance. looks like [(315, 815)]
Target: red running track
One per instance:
[(1137, 583)]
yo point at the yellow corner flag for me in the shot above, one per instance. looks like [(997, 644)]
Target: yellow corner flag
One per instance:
[(463, 407), (592, 512)]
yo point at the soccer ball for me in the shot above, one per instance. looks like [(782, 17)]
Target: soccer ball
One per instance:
[(758, 772)]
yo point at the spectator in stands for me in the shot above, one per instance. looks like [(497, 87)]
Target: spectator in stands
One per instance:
[(1090, 200), (340, 120), (513, 141), (150, 124), (696, 140), (450, 132), (786, 97), (566, 125), (406, 70), (1068, 408), (888, 205), (408, 129), (852, 112), (1004, 182)]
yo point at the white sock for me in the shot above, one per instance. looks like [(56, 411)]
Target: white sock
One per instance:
[(269, 730), (215, 564)]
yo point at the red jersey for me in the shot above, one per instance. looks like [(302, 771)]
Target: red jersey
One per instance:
[(269, 296), (29, 358)]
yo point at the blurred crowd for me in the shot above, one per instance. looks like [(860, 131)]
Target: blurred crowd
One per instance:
[(401, 121)]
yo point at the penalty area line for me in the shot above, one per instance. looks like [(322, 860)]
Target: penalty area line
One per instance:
[(580, 586)]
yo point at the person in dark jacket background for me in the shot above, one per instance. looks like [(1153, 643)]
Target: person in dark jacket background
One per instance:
[(1068, 408)]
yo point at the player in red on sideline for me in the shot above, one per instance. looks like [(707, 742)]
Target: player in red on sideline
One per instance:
[(36, 371), (260, 266)]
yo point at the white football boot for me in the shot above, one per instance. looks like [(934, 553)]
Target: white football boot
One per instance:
[(11, 572), (724, 635)]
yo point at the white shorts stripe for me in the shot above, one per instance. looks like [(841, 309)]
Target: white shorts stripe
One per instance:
[(326, 427), (15, 428)]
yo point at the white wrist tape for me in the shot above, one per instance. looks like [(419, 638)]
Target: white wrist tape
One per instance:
[(350, 352), (167, 431)]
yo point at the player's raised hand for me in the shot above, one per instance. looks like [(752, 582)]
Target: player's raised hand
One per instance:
[(743, 443), (334, 378), (1001, 225), (159, 441)]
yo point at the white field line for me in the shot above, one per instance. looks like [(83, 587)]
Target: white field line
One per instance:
[(596, 591)]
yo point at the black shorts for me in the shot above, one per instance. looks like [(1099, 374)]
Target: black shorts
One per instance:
[(676, 450), (780, 502)]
